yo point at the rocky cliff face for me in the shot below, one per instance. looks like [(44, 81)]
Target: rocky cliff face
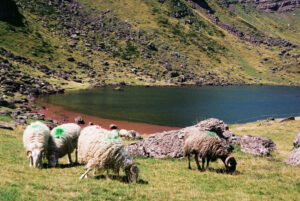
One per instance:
[(274, 5)]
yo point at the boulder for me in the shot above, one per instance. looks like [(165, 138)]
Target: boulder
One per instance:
[(113, 126), (118, 89), (296, 141), (294, 158), (79, 120), (4, 103), (4, 125), (257, 145), (287, 119), (170, 143)]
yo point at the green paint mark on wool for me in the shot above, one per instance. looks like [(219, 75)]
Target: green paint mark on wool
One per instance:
[(209, 133), (113, 137), (36, 126), (59, 132)]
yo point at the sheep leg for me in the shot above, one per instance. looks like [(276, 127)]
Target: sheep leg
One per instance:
[(197, 162), (30, 162), (207, 163), (107, 174), (84, 175), (76, 157), (95, 171), (203, 162), (70, 159), (189, 161)]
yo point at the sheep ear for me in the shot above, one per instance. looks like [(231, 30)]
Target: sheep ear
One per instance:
[(134, 169), (227, 161)]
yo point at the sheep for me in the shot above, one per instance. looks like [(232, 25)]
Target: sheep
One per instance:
[(63, 140), (100, 149), (35, 140), (207, 145)]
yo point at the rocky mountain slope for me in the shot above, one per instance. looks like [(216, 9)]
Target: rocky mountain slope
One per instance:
[(49, 44)]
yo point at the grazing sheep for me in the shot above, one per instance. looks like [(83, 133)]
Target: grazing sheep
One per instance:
[(63, 140), (100, 149), (130, 134), (207, 145), (35, 140)]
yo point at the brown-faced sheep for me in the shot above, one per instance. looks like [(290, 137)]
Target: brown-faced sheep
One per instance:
[(100, 149), (207, 145)]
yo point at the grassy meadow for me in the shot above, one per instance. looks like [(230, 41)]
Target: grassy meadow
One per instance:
[(256, 178)]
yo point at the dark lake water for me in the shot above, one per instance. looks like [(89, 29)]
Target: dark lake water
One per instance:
[(183, 106)]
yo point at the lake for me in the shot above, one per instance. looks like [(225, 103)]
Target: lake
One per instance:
[(180, 107)]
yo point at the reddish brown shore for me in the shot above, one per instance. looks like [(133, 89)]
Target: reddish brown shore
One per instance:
[(64, 116)]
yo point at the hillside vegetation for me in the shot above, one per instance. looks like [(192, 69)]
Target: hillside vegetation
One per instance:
[(256, 178), (75, 44)]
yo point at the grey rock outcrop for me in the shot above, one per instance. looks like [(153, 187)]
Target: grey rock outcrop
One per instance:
[(4, 125), (296, 141), (262, 146), (170, 143), (294, 158)]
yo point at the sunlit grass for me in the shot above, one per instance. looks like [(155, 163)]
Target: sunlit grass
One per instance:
[(256, 178)]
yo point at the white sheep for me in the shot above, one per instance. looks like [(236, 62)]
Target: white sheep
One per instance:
[(207, 145), (63, 140), (35, 140), (100, 149)]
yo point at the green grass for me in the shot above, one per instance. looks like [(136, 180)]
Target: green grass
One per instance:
[(256, 178), (5, 118)]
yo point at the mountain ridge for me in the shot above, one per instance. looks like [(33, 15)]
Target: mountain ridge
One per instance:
[(171, 42)]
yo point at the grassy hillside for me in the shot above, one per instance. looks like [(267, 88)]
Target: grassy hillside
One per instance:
[(150, 42), (256, 178)]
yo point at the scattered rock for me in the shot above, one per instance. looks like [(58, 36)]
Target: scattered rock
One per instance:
[(257, 145), (174, 74), (287, 119), (71, 59), (3, 103), (170, 143), (113, 126), (296, 141), (4, 125), (79, 120), (118, 89), (122, 83), (294, 158), (90, 123)]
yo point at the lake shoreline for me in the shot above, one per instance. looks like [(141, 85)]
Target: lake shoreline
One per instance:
[(57, 113)]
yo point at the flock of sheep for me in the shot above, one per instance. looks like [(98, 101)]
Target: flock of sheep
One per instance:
[(100, 149)]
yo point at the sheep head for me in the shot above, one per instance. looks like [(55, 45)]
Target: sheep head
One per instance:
[(132, 173), (230, 163), (36, 155), (52, 160)]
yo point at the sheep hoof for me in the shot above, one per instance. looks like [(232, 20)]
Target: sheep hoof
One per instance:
[(83, 177)]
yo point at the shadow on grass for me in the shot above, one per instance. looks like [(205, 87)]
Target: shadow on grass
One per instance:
[(122, 179), (224, 171), (62, 166), (220, 171)]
